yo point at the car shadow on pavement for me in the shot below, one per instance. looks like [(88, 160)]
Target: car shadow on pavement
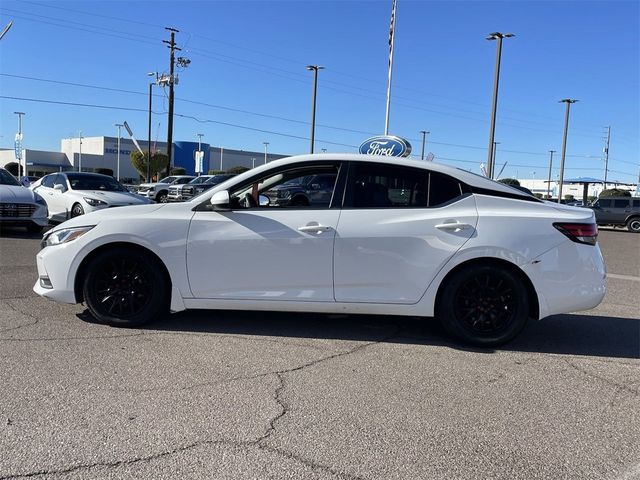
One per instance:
[(21, 233), (570, 334)]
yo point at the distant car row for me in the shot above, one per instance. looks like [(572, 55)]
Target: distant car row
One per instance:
[(179, 188)]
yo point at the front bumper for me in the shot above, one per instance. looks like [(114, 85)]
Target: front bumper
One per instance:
[(53, 264)]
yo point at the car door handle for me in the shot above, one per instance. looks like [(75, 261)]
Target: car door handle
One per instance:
[(314, 228), (453, 226)]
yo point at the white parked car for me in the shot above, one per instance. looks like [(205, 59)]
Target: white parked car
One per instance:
[(159, 191), (73, 194), (396, 237), (19, 206)]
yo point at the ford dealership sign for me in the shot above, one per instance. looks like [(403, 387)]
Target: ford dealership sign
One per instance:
[(387, 145)]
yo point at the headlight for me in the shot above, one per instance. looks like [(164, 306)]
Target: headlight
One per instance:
[(94, 202), (65, 235), (39, 200)]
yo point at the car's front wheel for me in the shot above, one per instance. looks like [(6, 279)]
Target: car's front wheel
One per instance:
[(125, 287), (634, 224), (162, 197), (76, 210), (484, 305)]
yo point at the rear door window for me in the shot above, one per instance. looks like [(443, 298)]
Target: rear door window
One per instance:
[(636, 203), (377, 185), (621, 203)]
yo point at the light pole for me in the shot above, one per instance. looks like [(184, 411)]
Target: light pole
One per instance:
[(200, 135), (253, 162), (18, 146), (80, 152), (119, 125), (424, 141), (151, 84), (568, 101), (496, 80), (266, 144), (315, 69), (551, 152)]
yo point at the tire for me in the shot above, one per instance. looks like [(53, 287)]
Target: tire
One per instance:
[(299, 201), (125, 287), (34, 228), (634, 224), (76, 210), (484, 305), (162, 197)]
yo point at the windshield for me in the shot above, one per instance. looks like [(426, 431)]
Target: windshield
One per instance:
[(198, 180), (94, 182), (167, 180), (7, 179)]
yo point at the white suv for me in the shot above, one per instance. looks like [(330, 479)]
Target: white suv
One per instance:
[(159, 191)]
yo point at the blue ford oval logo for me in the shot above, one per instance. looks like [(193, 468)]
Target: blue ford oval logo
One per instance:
[(387, 145)]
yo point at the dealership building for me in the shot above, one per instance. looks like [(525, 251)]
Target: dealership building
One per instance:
[(102, 152)]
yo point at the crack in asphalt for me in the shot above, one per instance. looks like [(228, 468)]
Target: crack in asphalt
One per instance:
[(257, 443), (618, 386), (17, 310)]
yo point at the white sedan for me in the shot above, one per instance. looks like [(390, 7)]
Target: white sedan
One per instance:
[(396, 237), (72, 194)]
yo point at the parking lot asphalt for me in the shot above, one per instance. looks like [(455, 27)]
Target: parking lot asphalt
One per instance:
[(241, 395)]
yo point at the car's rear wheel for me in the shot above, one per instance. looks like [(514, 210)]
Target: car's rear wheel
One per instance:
[(634, 224), (76, 210), (484, 305), (125, 288)]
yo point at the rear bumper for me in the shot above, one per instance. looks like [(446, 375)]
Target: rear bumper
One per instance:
[(568, 278)]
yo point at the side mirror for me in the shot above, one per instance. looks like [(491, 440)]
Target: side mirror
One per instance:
[(315, 186), (59, 187), (220, 200), (263, 200)]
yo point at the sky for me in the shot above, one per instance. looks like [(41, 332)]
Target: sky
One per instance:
[(247, 82)]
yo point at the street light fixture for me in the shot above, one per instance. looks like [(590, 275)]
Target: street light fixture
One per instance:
[(568, 101), (496, 80), (315, 69)]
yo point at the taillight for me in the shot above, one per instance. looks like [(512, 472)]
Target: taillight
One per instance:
[(579, 232)]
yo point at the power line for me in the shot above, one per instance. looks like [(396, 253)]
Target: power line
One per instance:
[(225, 58)]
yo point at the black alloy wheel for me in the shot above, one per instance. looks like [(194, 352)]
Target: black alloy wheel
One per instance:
[(634, 224), (484, 305), (76, 210), (125, 287)]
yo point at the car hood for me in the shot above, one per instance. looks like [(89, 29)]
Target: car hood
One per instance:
[(122, 213), (16, 194), (113, 198), (149, 185)]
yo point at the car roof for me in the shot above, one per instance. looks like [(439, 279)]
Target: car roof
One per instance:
[(463, 175)]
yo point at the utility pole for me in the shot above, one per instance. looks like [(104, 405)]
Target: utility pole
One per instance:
[(606, 156), (172, 50), (18, 145), (119, 125), (568, 101), (266, 144), (551, 152), (494, 106), (80, 153), (495, 145), (151, 84), (424, 141), (315, 69)]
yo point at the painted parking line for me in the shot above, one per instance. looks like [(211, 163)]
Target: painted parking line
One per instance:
[(623, 277)]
